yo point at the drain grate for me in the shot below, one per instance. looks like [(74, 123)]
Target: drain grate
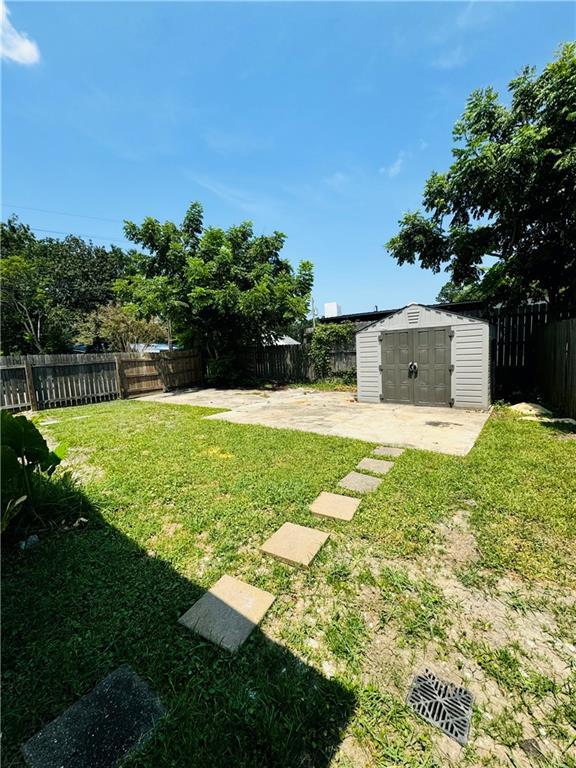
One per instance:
[(443, 704)]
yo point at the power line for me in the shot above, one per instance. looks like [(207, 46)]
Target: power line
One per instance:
[(80, 234), (61, 213)]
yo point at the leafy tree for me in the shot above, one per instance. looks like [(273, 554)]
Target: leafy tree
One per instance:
[(121, 327), (156, 299), (510, 192), (227, 288), (48, 285), (491, 283)]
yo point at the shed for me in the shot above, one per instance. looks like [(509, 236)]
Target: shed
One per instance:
[(424, 356)]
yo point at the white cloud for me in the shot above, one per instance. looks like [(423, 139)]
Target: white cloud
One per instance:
[(337, 181), (475, 14), (451, 59), (393, 170), (261, 207), (16, 46)]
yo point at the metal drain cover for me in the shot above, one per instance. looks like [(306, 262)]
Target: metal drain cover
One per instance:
[(445, 705)]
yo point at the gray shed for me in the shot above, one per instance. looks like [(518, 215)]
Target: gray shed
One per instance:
[(424, 356)]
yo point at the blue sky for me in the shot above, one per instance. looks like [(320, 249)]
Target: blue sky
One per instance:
[(322, 120)]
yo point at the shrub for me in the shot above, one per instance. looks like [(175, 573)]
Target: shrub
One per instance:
[(328, 338), (26, 465)]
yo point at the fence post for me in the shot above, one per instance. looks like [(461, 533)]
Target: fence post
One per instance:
[(30, 385), (118, 373)]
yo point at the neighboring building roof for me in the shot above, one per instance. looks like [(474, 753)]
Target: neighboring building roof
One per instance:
[(468, 308), (160, 347), (283, 341)]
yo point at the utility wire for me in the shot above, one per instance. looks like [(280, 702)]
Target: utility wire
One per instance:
[(61, 213), (80, 234)]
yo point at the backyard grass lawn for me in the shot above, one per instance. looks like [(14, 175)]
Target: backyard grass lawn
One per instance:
[(464, 565)]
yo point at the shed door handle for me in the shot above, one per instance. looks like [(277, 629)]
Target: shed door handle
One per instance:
[(413, 369)]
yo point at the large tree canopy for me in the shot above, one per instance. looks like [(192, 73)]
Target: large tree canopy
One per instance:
[(229, 288), (48, 285), (510, 192)]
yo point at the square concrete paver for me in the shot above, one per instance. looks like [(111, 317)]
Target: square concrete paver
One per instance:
[(334, 505), (356, 481), (387, 450), (101, 728), (295, 544), (375, 465), (228, 612)]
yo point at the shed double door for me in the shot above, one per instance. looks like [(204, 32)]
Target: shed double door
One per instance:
[(416, 366)]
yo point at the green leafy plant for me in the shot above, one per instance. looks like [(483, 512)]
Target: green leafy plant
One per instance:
[(328, 338), (23, 454)]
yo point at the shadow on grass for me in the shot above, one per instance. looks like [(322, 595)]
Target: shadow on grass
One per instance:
[(85, 601), (562, 430)]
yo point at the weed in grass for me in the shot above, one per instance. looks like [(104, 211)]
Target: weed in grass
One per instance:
[(505, 667), (392, 730), (339, 575), (473, 576), (418, 609), (505, 728), (347, 636)]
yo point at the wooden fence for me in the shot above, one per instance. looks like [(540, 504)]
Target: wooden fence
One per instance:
[(52, 381), (284, 363), (291, 362), (555, 365)]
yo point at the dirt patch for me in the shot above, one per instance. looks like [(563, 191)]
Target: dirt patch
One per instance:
[(459, 542), (475, 620), (78, 462), (353, 754)]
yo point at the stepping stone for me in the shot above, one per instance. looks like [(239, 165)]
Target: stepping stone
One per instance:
[(100, 729), (375, 465), (48, 422), (295, 544), (388, 450), (334, 505), (228, 612), (355, 481)]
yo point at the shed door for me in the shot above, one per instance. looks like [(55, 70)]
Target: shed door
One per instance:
[(397, 385), (428, 383)]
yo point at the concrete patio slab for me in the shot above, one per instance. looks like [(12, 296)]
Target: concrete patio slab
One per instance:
[(228, 612), (356, 481), (335, 506), (387, 450), (446, 430), (377, 466), (295, 544), (100, 729)]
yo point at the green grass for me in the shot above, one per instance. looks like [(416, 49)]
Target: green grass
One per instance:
[(417, 608), (505, 666), (331, 384), (177, 501)]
